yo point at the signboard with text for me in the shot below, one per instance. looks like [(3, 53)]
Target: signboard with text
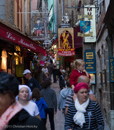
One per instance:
[(90, 61), (65, 46), (66, 52), (111, 69), (90, 10)]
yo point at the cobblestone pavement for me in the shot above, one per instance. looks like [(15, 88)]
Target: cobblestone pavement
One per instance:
[(59, 117)]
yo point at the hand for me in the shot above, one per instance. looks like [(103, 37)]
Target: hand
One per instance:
[(86, 73), (72, 87)]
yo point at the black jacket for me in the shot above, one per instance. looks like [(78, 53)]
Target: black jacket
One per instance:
[(23, 121)]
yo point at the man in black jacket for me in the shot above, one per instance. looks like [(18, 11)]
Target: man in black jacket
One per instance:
[(32, 82), (12, 116)]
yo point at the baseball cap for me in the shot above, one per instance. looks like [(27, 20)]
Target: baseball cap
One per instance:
[(8, 82), (26, 71), (63, 71)]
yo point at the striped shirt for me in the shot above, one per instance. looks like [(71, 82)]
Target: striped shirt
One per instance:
[(93, 117), (69, 100)]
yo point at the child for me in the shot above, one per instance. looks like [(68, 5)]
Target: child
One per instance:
[(79, 69), (40, 102), (63, 95), (47, 76)]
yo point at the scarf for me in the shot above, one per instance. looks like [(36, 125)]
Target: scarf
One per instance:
[(8, 114), (79, 118)]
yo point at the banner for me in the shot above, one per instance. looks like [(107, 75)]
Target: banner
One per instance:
[(111, 69), (85, 35), (85, 16), (90, 10), (67, 52)]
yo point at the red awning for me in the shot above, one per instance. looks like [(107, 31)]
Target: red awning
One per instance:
[(18, 38)]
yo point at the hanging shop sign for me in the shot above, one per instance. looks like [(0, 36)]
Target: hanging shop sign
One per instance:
[(90, 61), (90, 10), (66, 42), (85, 27), (85, 16), (111, 69)]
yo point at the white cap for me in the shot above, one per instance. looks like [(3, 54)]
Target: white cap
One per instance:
[(24, 86), (63, 71), (26, 71)]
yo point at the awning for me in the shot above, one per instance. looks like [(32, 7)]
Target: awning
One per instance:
[(11, 35)]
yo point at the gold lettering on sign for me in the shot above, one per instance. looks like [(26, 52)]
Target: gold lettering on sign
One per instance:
[(85, 35), (85, 16)]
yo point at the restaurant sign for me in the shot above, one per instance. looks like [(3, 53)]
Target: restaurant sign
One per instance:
[(111, 69), (66, 46), (90, 61), (66, 52)]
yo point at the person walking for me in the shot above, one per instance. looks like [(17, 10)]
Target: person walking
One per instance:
[(32, 82), (50, 68), (11, 112), (72, 97), (49, 96), (62, 96), (24, 99), (39, 75), (40, 102), (83, 113)]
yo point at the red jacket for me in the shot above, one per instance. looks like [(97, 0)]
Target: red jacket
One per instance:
[(74, 76)]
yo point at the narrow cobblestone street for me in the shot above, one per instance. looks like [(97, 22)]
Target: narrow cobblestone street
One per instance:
[(59, 117)]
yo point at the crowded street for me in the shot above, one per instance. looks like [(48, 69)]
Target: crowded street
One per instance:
[(57, 64)]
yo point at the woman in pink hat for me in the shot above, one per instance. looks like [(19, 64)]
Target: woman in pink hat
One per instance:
[(83, 113)]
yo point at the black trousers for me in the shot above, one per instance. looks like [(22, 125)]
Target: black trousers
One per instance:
[(54, 78), (50, 112)]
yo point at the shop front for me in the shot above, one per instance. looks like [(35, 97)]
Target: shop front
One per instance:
[(16, 50)]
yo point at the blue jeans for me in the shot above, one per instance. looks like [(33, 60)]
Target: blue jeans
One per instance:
[(50, 112)]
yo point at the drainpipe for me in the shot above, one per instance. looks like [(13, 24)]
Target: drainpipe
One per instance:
[(62, 7), (56, 24), (25, 16)]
